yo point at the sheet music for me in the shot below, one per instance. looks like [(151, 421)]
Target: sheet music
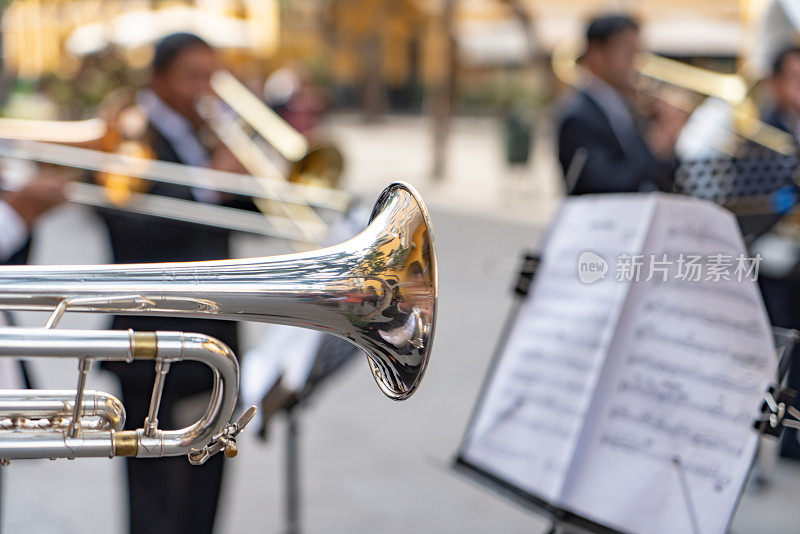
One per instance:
[(538, 396), (628, 402), (684, 378)]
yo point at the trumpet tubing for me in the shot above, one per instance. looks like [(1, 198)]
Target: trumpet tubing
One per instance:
[(377, 290), (25, 438), (31, 409)]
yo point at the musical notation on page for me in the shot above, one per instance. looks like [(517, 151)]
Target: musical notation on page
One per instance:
[(613, 379)]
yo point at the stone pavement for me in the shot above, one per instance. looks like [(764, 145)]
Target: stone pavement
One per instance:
[(368, 465)]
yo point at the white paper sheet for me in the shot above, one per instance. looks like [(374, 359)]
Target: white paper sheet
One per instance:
[(539, 394)]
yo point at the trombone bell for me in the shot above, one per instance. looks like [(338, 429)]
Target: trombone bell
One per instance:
[(378, 290)]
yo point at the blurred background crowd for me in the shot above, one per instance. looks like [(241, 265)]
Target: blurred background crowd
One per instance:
[(474, 103)]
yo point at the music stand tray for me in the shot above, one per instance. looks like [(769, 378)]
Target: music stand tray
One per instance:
[(759, 188)]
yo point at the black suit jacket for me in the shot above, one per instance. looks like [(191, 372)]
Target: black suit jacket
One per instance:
[(142, 239), (608, 168), (774, 118), (782, 300)]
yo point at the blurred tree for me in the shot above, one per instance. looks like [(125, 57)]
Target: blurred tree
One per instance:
[(374, 46), (444, 98)]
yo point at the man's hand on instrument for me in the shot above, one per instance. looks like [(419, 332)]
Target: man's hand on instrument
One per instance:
[(43, 192), (222, 159), (667, 124)]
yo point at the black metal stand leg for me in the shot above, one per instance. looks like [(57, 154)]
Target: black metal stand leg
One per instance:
[(559, 527), (292, 472)]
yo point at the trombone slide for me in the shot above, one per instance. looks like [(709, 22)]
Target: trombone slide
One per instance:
[(188, 211), (174, 173), (290, 143)]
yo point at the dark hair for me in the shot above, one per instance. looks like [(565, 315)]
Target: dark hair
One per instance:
[(779, 63), (169, 47), (602, 28)]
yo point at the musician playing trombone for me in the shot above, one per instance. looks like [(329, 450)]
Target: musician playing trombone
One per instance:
[(779, 282), (602, 146), (168, 495), (19, 210)]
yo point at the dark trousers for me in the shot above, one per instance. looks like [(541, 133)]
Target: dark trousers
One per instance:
[(169, 495)]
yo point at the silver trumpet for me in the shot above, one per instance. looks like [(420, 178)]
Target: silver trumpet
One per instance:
[(378, 290)]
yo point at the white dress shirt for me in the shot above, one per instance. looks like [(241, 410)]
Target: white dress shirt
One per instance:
[(614, 106), (13, 231), (180, 134)]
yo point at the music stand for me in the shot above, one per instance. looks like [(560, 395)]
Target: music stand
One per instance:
[(777, 414), (333, 355), (759, 188), (777, 410)]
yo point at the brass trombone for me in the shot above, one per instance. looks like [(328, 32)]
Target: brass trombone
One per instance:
[(76, 132), (286, 214), (319, 165), (253, 158), (378, 290)]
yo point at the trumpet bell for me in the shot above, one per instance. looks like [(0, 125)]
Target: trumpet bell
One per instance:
[(403, 258)]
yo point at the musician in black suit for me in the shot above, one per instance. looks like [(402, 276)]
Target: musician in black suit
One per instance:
[(169, 495), (780, 281), (784, 86), (600, 134)]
